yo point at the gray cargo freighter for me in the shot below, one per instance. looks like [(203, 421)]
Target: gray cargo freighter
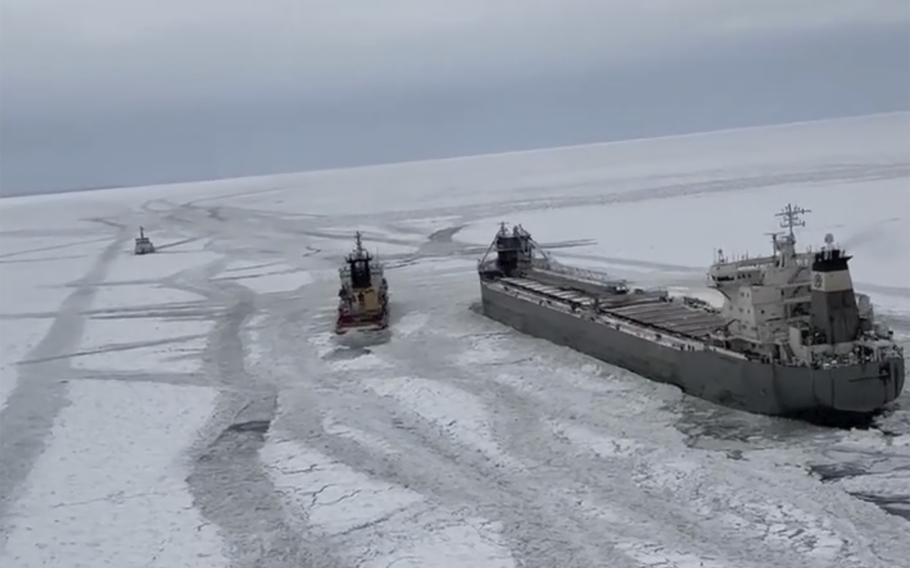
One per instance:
[(792, 337)]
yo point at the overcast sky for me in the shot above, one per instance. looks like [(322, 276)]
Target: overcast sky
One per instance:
[(128, 92)]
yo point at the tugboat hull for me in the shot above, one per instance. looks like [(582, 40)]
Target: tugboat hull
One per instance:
[(347, 324), (144, 248), (737, 382)]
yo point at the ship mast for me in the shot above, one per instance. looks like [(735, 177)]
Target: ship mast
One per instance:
[(791, 217), (785, 246), (359, 253)]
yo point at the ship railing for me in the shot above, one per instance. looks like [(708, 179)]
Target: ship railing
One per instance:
[(578, 273), (829, 360)]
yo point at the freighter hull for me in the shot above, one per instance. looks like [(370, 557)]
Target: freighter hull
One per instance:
[(732, 381)]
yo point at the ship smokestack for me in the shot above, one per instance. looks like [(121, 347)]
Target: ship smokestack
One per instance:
[(834, 310)]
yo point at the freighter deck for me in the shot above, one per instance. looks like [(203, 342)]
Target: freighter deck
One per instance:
[(645, 309), (673, 316)]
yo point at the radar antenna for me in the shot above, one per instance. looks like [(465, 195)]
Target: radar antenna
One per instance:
[(791, 217)]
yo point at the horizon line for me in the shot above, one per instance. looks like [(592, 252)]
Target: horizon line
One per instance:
[(457, 157)]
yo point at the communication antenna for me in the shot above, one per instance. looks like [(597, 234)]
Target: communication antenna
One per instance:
[(791, 217)]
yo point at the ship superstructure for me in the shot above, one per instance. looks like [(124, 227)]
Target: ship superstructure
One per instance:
[(363, 294), (791, 337), (798, 308)]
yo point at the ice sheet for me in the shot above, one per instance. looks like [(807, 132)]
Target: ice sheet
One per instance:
[(381, 524), (455, 441), (110, 489)]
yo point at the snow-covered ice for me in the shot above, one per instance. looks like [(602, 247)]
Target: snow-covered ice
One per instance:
[(454, 412), (194, 407), (15, 347), (110, 488), (266, 279), (378, 523)]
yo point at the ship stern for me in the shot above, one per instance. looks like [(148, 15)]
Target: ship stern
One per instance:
[(864, 388)]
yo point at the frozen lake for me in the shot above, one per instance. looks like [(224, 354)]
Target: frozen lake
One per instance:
[(193, 408)]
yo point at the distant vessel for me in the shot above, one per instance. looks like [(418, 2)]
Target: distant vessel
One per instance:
[(792, 337), (363, 296), (143, 244)]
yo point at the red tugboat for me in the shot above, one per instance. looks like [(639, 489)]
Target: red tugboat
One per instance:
[(363, 297)]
